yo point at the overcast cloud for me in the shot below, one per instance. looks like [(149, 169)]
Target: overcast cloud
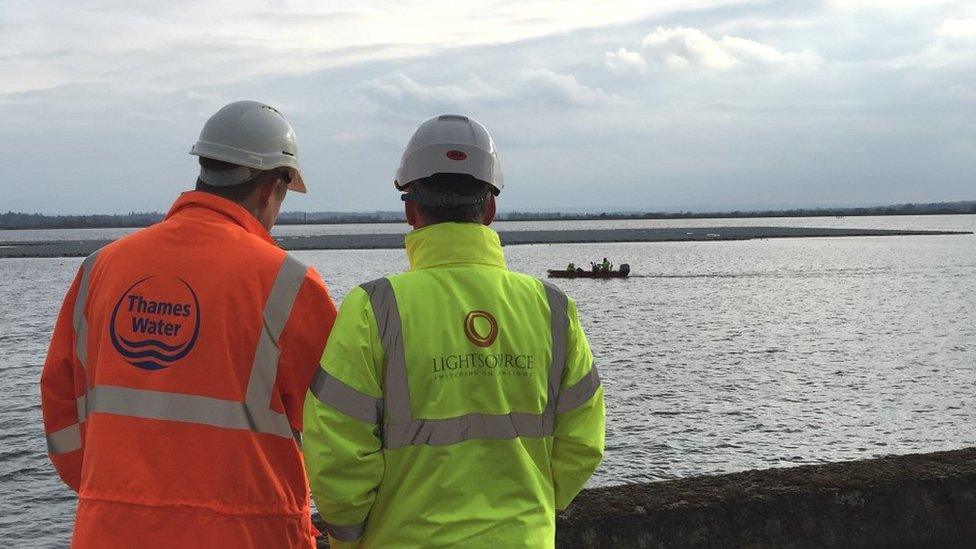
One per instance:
[(593, 105)]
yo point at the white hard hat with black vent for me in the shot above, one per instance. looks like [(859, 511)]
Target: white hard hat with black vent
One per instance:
[(450, 144), (253, 136)]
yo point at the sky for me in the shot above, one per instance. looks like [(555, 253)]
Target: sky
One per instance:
[(594, 106)]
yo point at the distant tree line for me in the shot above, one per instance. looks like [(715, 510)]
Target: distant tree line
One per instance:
[(288, 218), (935, 208), (17, 220)]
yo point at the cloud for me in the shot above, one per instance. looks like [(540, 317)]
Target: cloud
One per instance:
[(683, 47), (400, 88), (559, 89), (729, 101), (177, 45), (952, 45), (889, 5), (957, 28), (960, 93), (530, 86), (624, 60)]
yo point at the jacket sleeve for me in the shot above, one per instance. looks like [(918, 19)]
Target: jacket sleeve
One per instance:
[(302, 341), (579, 432), (342, 444), (61, 385)]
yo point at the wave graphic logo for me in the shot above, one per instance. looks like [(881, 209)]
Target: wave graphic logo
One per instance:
[(156, 322)]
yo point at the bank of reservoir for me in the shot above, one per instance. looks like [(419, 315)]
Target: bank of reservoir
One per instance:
[(82, 248)]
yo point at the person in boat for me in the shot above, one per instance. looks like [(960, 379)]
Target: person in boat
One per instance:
[(605, 266), (396, 443), (594, 267), (571, 267)]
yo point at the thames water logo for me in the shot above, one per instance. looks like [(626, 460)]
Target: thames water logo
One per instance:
[(156, 322), (471, 328)]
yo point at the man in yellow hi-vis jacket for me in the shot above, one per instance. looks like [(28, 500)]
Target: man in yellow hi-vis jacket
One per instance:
[(457, 404)]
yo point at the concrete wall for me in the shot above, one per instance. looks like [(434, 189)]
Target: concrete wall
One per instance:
[(924, 500), (921, 500)]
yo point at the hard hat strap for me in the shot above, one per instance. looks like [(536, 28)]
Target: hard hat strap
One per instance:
[(442, 200)]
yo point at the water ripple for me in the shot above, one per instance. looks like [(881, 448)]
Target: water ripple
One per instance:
[(715, 356)]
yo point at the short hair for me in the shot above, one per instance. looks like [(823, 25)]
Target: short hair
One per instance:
[(453, 183), (234, 193)]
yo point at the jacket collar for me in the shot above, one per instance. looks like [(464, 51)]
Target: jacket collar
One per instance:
[(454, 243), (229, 210)]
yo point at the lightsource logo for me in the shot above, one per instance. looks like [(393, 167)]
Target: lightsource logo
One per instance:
[(156, 322), (471, 328)]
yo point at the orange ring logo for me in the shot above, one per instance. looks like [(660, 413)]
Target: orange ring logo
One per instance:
[(472, 333)]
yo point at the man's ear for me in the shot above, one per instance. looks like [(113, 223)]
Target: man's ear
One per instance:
[(490, 211), (410, 210), (265, 192)]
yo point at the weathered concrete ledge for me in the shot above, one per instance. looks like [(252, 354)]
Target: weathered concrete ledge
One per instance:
[(82, 248), (921, 500), (918, 500)]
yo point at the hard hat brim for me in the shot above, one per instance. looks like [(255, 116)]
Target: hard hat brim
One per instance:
[(252, 160), (297, 182)]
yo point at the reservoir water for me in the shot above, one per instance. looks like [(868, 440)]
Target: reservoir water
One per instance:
[(715, 356)]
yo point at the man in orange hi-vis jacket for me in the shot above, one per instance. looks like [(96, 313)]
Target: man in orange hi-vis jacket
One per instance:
[(173, 389)]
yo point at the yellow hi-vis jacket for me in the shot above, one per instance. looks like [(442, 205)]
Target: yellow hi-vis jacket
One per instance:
[(457, 404)]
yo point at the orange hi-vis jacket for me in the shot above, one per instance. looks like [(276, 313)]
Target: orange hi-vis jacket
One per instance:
[(173, 389)]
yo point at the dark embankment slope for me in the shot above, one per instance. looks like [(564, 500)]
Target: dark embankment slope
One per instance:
[(922, 500), (919, 500)]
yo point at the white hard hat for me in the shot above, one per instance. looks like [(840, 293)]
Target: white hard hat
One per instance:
[(450, 143), (249, 134)]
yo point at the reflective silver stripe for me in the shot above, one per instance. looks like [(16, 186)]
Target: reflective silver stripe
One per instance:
[(559, 325), (346, 533), (79, 321), (577, 395), (396, 390), (229, 414), (401, 429), (441, 432), (69, 439), (332, 391), (254, 414), (64, 440), (81, 403), (264, 369)]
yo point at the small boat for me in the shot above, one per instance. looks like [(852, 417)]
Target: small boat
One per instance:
[(580, 273)]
